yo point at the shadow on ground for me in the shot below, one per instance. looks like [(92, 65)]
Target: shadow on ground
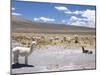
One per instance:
[(20, 65)]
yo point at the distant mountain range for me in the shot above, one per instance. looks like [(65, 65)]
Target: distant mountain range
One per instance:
[(19, 24)]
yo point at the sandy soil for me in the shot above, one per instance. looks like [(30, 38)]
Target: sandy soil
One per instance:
[(56, 58)]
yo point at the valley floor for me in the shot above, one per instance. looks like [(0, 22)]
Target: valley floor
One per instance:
[(57, 58)]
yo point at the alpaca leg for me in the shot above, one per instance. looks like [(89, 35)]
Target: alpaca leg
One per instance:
[(26, 60), (16, 58)]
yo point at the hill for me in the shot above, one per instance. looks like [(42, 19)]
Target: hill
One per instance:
[(22, 25)]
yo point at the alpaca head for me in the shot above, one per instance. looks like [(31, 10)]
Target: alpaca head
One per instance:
[(82, 48), (34, 41), (33, 38), (33, 45)]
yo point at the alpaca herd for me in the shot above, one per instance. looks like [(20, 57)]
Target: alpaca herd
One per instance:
[(26, 51)]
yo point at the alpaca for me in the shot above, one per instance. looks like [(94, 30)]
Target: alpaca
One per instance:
[(56, 40), (23, 51), (86, 51), (51, 39)]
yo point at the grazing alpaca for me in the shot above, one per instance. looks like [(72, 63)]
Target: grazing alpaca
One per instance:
[(51, 39), (23, 51), (86, 51)]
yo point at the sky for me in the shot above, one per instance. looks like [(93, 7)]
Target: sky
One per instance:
[(68, 14)]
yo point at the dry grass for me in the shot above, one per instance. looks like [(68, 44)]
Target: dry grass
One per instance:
[(63, 39)]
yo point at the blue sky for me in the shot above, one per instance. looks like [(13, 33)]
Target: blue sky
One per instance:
[(80, 15)]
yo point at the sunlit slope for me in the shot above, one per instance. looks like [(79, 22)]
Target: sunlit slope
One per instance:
[(22, 25)]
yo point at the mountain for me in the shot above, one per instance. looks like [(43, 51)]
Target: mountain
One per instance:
[(19, 24)]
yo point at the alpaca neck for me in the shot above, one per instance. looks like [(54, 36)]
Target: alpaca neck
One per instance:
[(31, 48), (83, 49)]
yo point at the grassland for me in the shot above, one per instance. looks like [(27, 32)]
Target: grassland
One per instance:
[(66, 40)]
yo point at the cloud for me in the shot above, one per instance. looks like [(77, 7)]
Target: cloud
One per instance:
[(63, 21), (86, 18), (68, 12), (73, 18), (16, 14), (65, 9), (78, 23), (77, 12), (85, 13), (13, 8), (81, 21), (74, 12), (61, 8), (44, 19), (89, 14)]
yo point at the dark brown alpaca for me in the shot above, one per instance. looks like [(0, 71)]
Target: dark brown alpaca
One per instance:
[(86, 51)]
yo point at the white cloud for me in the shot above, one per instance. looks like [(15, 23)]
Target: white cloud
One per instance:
[(74, 12), (63, 21), (65, 9), (36, 19), (84, 13), (76, 21), (44, 19), (81, 22), (13, 8), (78, 12), (16, 14), (61, 8), (87, 18), (73, 18), (68, 12), (89, 14)]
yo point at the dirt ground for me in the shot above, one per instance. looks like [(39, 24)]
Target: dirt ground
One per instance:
[(58, 57)]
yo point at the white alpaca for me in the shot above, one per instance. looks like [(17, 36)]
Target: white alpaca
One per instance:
[(23, 51)]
